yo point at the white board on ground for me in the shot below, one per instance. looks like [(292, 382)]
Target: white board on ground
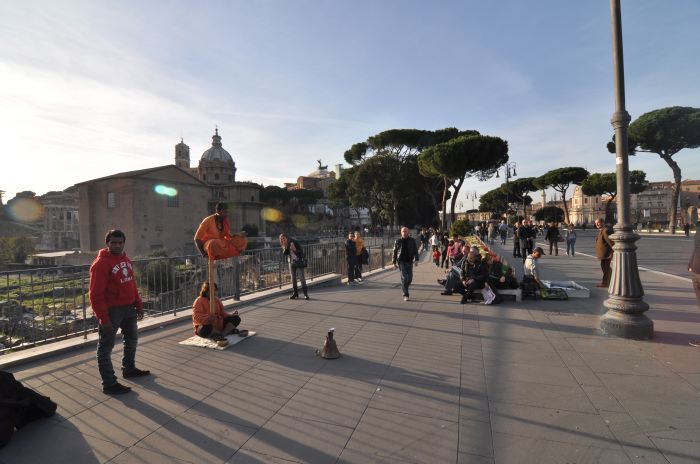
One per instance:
[(208, 343)]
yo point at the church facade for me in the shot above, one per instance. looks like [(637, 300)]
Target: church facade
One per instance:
[(160, 208)]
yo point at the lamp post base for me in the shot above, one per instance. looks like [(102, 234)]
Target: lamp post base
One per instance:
[(634, 326)]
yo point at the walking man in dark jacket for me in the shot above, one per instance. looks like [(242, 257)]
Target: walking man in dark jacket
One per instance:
[(405, 255), (351, 257)]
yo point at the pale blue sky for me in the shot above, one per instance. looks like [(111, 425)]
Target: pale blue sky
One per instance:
[(91, 88)]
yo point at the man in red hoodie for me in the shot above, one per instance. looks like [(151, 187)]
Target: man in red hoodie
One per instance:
[(116, 303)]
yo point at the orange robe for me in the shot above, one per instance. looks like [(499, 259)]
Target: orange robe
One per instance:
[(200, 314), (220, 244)]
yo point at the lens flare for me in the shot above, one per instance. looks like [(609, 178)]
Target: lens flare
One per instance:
[(26, 210), (165, 190), (300, 221), (271, 215)]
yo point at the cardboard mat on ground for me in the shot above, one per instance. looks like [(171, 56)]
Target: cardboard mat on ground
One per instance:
[(233, 339)]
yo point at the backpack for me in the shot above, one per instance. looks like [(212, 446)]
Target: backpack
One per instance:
[(20, 405)]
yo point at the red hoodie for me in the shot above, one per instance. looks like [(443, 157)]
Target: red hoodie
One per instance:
[(112, 284)]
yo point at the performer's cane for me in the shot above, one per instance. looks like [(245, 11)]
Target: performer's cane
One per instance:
[(211, 268)]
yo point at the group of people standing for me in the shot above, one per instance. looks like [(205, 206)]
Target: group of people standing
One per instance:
[(356, 255), (525, 234)]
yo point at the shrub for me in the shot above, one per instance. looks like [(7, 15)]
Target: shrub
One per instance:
[(461, 228)]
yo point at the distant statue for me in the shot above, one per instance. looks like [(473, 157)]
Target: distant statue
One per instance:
[(320, 166)]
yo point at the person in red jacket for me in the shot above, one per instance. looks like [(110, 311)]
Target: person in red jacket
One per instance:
[(116, 303)]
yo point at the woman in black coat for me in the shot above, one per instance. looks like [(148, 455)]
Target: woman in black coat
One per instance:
[(294, 255)]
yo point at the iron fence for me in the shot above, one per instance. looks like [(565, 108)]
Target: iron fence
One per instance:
[(45, 305)]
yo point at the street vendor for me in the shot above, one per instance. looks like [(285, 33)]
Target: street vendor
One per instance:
[(530, 269), (213, 237)]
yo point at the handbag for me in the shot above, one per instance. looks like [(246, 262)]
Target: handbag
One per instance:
[(300, 262), (364, 256)]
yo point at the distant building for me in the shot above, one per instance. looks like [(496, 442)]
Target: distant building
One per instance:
[(584, 209), (60, 228), (318, 179), (160, 208), (655, 203)]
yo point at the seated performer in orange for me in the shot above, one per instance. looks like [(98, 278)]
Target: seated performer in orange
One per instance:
[(213, 324), (214, 239)]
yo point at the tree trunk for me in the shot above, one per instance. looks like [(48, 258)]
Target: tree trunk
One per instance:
[(454, 198), (676, 189), (443, 223), (433, 198), (566, 209), (395, 216)]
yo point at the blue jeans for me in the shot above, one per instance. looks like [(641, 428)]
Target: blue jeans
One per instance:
[(453, 282), (406, 275), (570, 244), (293, 269), (123, 317)]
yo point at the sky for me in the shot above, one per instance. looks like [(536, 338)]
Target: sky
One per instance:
[(93, 88)]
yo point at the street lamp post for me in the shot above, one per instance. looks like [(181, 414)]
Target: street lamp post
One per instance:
[(625, 316), (509, 171)]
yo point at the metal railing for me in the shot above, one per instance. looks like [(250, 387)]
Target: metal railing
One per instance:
[(45, 305)]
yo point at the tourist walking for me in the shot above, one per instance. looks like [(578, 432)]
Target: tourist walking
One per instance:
[(404, 257), (570, 240), (434, 241), (351, 257), (117, 305), (524, 238), (492, 232), (445, 245), (553, 238), (294, 255), (604, 250), (516, 240), (503, 231)]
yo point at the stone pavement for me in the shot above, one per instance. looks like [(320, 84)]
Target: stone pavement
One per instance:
[(424, 381)]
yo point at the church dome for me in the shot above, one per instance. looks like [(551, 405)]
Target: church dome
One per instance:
[(217, 152)]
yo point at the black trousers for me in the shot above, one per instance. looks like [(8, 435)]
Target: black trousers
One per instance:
[(607, 271), (352, 263), (471, 288), (206, 330)]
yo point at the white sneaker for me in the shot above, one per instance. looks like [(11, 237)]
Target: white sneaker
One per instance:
[(405, 298), (359, 279)]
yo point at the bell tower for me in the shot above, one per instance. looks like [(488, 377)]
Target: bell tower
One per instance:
[(182, 156)]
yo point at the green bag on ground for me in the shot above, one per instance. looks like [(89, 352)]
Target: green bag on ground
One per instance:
[(553, 294)]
